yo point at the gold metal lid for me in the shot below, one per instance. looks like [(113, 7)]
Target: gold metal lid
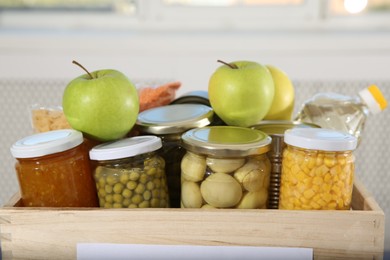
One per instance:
[(226, 141), (278, 127), (174, 119)]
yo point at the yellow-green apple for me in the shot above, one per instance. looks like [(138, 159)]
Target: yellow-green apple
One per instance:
[(102, 104), (283, 103), (241, 92)]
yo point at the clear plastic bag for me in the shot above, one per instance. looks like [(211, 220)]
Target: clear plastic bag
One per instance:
[(44, 119)]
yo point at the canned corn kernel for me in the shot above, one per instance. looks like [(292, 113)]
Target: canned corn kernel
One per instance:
[(317, 169)]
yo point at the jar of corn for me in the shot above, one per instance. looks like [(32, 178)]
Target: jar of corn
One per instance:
[(317, 169)]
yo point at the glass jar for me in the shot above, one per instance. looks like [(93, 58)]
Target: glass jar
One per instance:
[(198, 97), (225, 167), (317, 169), (53, 170), (276, 129), (130, 173), (169, 123)]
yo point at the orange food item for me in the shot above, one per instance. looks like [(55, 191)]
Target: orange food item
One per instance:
[(47, 119), (150, 97), (58, 180)]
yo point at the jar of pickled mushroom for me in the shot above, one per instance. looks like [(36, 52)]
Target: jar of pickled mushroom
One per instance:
[(225, 167), (275, 129), (130, 173), (317, 169), (53, 170), (169, 123)]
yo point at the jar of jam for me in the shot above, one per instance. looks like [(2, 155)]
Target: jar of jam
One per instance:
[(317, 169), (130, 173), (169, 123), (53, 170), (225, 167), (275, 129)]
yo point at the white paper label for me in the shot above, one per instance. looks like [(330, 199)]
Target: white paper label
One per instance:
[(96, 251)]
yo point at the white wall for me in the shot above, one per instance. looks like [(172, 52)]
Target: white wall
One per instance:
[(191, 57)]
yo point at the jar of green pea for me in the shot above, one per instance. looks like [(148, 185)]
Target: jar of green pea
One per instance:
[(130, 173)]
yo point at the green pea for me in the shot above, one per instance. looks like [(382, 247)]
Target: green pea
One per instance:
[(118, 188), (117, 205), (108, 205), (155, 202), (144, 178), (108, 188), (160, 173), (156, 193), (150, 185), (144, 204), (131, 185), (109, 198), (126, 202), (102, 182), (140, 188), (127, 193), (117, 198), (102, 192), (157, 183), (151, 171), (124, 178), (136, 199), (111, 179), (147, 195), (134, 175)]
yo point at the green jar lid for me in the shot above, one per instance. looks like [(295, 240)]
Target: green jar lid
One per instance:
[(174, 119), (226, 141), (278, 127)]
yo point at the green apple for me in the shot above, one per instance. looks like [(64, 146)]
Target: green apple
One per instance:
[(283, 103), (102, 104), (241, 92)]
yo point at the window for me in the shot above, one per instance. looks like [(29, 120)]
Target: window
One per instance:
[(127, 15)]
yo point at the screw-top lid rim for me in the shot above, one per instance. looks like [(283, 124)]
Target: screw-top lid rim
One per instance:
[(201, 141), (46, 143), (176, 118), (125, 148), (320, 139)]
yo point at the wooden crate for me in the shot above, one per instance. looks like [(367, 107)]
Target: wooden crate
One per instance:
[(53, 233)]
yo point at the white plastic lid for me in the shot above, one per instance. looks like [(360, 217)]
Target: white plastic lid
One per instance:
[(320, 139), (373, 98), (46, 143), (125, 148)]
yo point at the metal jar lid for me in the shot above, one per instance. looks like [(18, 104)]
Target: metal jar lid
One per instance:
[(226, 141), (174, 119), (278, 127), (193, 97)]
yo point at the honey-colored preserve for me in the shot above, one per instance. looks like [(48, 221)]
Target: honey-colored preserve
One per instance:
[(54, 179)]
